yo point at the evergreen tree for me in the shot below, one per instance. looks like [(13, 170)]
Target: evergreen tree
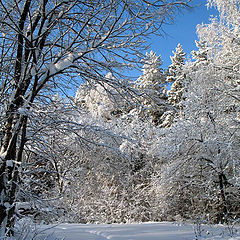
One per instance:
[(176, 76), (176, 67), (201, 55), (152, 79), (152, 88)]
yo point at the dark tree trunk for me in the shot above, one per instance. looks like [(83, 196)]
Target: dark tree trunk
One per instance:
[(14, 123), (9, 176), (223, 211)]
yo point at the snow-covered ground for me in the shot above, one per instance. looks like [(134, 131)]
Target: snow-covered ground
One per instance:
[(144, 231)]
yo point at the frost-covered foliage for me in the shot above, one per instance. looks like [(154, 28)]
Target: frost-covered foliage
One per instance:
[(108, 157), (176, 75), (200, 175), (118, 170), (104, 100), (53, 46), (143, 171), (114, 162), (151, 82), (109, 179), (202, 54), (152, 77), (188, 169), (176, 67), (151, 86)]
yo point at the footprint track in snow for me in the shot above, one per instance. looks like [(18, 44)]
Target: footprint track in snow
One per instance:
[(100, 234)]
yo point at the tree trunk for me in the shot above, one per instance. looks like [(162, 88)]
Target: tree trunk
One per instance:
[(223, 204), (8, 177), (14, 123), (9, 174)]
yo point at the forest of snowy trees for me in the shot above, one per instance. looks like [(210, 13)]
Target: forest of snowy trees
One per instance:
[(163, 147)]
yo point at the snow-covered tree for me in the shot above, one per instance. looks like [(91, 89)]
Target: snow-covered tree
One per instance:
[(152, 78), (104, 100), (200, 174), (152, 87), (176, 67), (176, 75), (201, 152), (201, 55), (114, 162)]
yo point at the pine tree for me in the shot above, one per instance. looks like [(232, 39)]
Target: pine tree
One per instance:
[(176, 76), (176, 67), (151, 86), (152, 79), (201, 55)]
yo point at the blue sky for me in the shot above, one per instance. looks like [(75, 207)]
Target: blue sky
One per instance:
[(182, 31)]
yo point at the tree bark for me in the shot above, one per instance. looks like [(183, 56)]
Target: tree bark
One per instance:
[(9, 175), (14, 123), (223, 207)]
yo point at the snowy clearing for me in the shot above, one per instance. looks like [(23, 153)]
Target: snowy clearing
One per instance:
[(144, 231)]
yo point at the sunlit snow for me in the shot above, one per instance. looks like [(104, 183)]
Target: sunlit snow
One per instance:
[(144, 231)]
